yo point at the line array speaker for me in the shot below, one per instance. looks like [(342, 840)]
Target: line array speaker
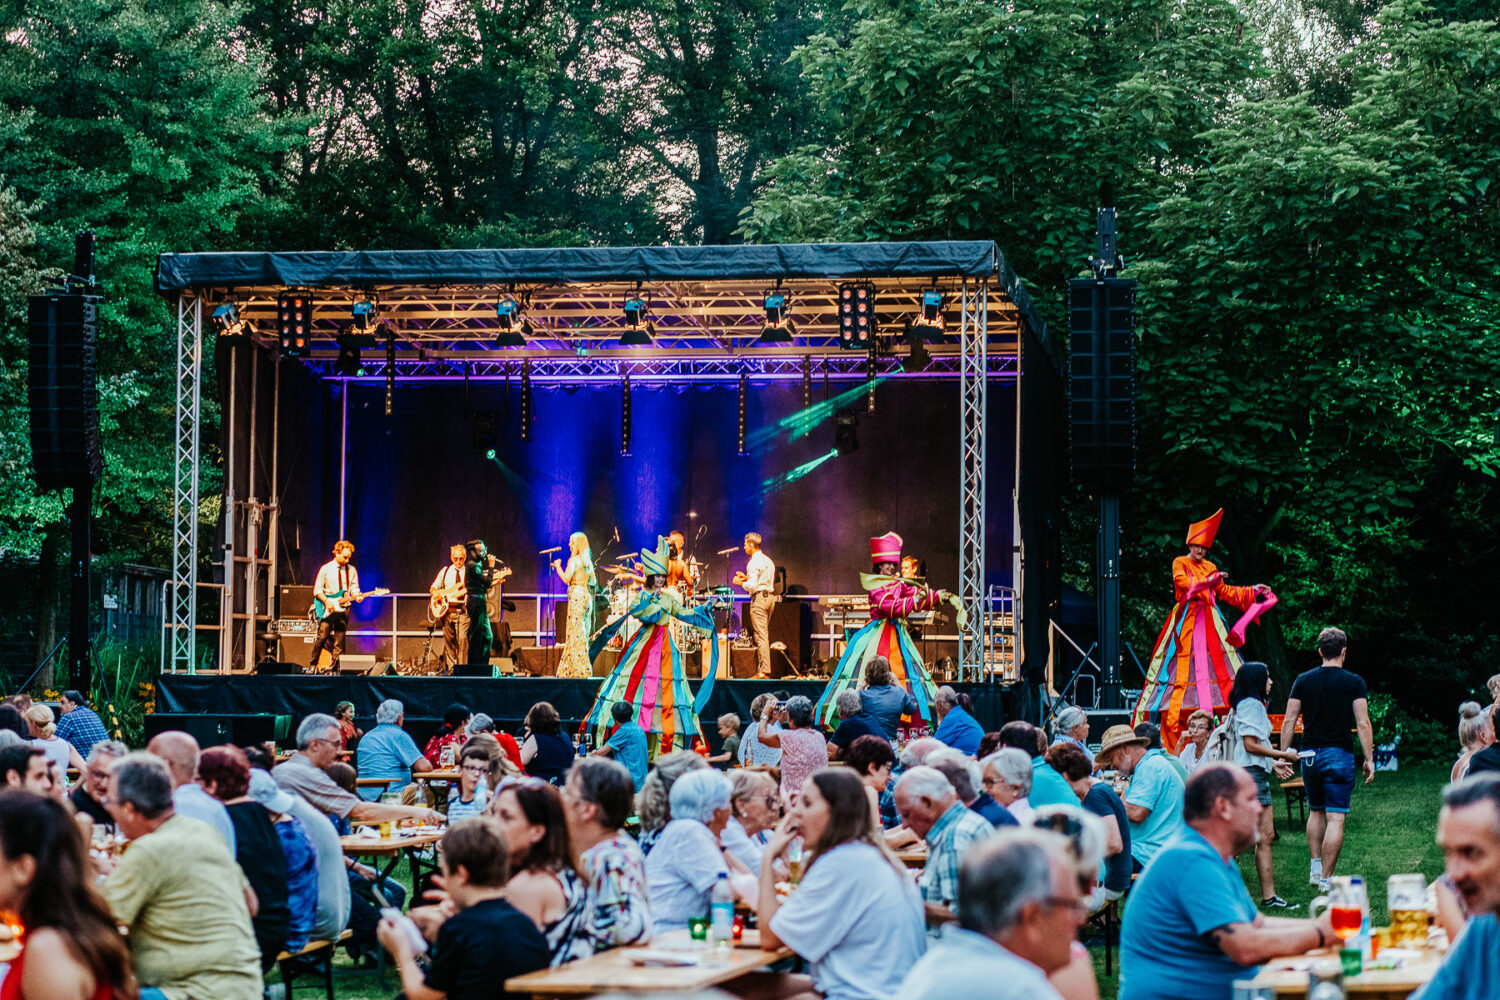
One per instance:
[(62, 391), (1101, 380)]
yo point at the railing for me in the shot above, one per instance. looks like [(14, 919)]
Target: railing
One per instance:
[(168, 627)]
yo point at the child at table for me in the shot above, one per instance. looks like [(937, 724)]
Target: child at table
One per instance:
[(472, 794), (464, 930)]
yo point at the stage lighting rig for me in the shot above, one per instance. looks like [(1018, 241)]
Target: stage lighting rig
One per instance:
[(845, 438), (744, 402), (232, 330), (638, 329), (779, 328), (348, 363), (512, 331), (365, 318), (294, 323), (857, 317), (927, 324)]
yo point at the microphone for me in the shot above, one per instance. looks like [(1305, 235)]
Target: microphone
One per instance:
[(617, 534), (548, 552), (729, 551)]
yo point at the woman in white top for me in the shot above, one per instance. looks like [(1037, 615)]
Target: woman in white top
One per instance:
[(752, 750), (1199, 728), (754, 809), (856, 917), (1253, 752), (59, 751), (686, 859)]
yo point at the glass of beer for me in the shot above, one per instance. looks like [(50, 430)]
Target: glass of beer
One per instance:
[(1406, 898)]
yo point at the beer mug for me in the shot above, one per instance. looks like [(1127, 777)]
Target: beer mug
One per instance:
[(1345, 903), (1406, 899)]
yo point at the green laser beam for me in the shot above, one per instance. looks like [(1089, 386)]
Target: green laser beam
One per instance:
[(787, 478)]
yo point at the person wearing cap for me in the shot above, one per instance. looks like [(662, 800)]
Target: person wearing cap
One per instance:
[(1153, 802), (887, 638), (1195, 659), (333, 897)]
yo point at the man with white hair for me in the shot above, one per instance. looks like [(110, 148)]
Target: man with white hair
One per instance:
[(1073, 727), (389, 752), (956, 727), (854, 723), (93, 785), (1018, 912), (913, 754), (966, 777), (686, 860), (1007, 776), (930, 809), (306, 774)]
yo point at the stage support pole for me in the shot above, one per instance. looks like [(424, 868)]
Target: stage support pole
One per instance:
[(227, 519), (1109, 597), (343, 452), (81, 515)]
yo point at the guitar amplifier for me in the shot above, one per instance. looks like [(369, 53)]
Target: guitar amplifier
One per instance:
[(293, 601)]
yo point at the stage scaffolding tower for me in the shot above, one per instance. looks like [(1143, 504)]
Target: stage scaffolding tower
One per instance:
[(973, 341), (183, 586)]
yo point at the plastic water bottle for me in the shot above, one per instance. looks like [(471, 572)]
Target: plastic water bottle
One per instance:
[(721, 911)]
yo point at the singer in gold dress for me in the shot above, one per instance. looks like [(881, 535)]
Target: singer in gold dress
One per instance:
[(580, 578)]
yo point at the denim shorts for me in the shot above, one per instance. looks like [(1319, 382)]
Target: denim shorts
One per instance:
[(1262, 784), (1329, 777)]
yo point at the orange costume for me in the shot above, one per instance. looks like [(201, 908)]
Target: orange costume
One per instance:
[(1194, 662)]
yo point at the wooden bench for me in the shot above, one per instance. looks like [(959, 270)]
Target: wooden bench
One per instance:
[(315, 958), (1296, 791)]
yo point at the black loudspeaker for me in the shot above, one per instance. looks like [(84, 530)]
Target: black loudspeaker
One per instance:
[(62, 392), (293, 601), (1101, 380), (473, 670), (791, 623)]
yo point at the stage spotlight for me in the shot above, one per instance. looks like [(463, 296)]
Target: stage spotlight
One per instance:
[(232, 330), (625, 418), (638, 329), (364, 317), (294, 323), (744, 394), (390, 371), (348, 363), (507, 310), (857, 317), (845, 438), (928, 324), (807, 381), (526, 400), (779, 328)]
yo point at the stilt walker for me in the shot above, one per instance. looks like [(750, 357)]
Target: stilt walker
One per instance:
[(891, 600), (650, 675), (1196, 655)]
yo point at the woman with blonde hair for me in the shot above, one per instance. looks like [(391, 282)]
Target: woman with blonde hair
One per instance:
[(1200, 726), (580, 578), (44, 736), (1476, 730)]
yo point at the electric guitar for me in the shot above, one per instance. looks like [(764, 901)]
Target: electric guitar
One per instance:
[(340, 600), (439, 605)]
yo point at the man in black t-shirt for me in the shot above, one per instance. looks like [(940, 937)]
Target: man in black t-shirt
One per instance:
[(487, 941), (1331, 701)]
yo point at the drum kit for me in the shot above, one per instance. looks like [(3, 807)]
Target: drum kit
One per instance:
[(624, 588)]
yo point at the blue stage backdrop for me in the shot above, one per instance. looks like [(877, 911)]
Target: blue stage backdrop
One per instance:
[(418, 481)]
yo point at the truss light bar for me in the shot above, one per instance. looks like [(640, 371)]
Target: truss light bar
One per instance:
[(857, 317), (294, 323)]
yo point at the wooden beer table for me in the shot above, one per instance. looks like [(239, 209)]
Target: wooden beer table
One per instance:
[(1287, 977), (613, 971)]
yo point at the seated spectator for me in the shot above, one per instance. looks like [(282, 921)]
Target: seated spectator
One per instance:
[(547, 753), (318, 893), (752, 751), (912, 755), (930, 809), (452, 733), (93, 785), (73, 948), (1475, 732), (729, 750), (1191, 928), (686, 859), (855, 917), (346, 777), (854, 722), (988, 744), (956, 727), (1072, 726), (966, 777), (1018, 911), (25, 766), (627, 744), (1153, 802), (483, 725), (543, 884), (872, 760), (178, 891), (305, 774), (1200, 727), (225, 773), (803, 748), (754, 809), (180, 752), (466, 962), (1084, 837), (1007, 775), (13, 728), (472, 794), (1047, 786), (884, 700), (389, 752), (349, 733), (1099, 799), (79, 724), (502, 769), (597, 798), (654, 804), (1152, 734), (44, 736), (1469, 834)]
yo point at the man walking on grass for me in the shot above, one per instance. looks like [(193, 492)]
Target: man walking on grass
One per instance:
[(1332, 701)]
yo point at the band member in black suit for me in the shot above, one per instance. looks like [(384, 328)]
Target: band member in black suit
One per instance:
[(448, 588), (481, 572), (335, 577)]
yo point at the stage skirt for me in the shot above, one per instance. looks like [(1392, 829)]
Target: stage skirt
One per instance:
[(881, 637), (575, 658), (650, 678), (1192, 667)]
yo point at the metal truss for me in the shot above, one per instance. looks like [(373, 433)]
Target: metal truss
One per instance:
[(183, 587), (973, 379)]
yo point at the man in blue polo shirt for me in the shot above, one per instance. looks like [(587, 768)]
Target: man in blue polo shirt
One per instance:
[(1153, 802), (1191, 929), (627, 744), (389, 752), (1469, 834)]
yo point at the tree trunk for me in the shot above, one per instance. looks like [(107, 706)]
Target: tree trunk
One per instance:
[(48, 584)]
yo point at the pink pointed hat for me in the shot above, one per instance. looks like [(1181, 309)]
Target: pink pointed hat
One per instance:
[(886, 548)]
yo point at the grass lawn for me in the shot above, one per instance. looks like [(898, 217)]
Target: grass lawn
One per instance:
[(1389, 832)]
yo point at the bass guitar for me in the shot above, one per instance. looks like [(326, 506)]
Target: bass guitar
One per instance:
[(439, 605), (340, 600)]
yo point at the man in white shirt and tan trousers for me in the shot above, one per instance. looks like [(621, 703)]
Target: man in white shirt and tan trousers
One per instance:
[(759, 582)]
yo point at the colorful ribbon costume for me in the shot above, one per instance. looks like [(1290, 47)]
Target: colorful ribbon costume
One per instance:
[(650, 674)]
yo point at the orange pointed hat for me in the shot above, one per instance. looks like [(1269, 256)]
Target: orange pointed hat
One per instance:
[(1203, 532), (886, 548)]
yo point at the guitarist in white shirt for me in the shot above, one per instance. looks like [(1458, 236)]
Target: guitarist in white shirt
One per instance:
[(335, 577), (450, 608)]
